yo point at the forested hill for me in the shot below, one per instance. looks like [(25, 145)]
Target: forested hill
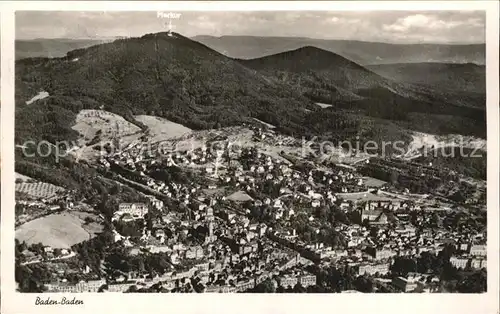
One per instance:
[(168, 76), (326, 77), (189, 83), (343, 72)]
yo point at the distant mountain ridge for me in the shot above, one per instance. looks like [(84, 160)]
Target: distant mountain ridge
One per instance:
[(250, 47), (52, 48), (364, 53)]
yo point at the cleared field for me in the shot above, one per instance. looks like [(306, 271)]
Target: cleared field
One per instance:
[(110, 125), (99, 127), (162, 129), (323, 105), (59, 230), (373, 182), (38, 189), (41, 95)]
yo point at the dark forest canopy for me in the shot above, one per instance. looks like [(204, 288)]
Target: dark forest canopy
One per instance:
[(189, 83)]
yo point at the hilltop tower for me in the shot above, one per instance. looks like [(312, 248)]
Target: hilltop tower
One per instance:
[(169, 27)]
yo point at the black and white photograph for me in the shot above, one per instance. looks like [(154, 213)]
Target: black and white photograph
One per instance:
[(311, 152)]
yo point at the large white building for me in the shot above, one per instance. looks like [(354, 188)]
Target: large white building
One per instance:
[(478, 250), (137, 210), (82, 286), (372, 269), (459, 262)]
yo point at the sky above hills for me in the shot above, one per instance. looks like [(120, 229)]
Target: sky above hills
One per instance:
[(384, 26)]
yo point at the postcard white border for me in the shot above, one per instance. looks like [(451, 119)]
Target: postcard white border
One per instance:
[(12, 302)]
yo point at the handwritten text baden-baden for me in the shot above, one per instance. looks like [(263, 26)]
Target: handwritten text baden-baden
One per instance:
[(62, 301)]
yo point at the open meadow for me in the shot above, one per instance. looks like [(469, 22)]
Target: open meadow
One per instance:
[(59, 230)]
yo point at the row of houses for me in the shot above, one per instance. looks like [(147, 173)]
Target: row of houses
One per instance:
[(80, 287), (464, 262), (289, 281), (372, 269), (285, 281)]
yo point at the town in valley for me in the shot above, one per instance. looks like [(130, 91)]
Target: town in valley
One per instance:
[(157, 164), (261, 218)]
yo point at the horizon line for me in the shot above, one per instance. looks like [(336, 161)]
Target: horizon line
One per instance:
[(257, 36)]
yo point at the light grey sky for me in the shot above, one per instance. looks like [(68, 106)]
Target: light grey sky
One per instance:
[(385, 26)]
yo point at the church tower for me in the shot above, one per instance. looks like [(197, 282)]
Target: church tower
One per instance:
[(209, 220)]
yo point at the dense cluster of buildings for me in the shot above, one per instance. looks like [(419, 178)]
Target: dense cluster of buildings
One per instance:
[(217, 241)]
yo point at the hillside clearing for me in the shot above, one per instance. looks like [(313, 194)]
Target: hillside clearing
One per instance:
[(58, 230), (99, 127), (39, 96), (109, 125), (162, 129), (373, 182), (323, 105)]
